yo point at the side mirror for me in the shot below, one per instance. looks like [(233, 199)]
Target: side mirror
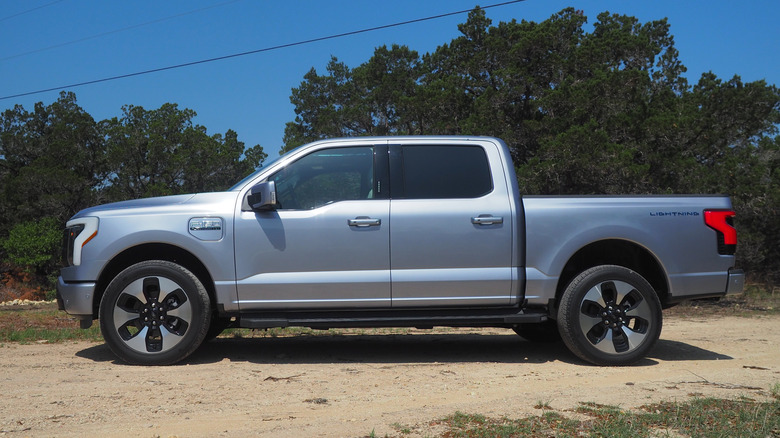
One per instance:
[(262, 197)]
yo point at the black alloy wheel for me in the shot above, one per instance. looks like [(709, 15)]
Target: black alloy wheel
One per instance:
[(154, 313), (610, 315)]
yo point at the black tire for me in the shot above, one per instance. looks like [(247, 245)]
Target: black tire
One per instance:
[(610, 315), (539, 333), (154, 313), (218, 325)]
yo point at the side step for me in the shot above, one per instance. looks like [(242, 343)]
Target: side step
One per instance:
[(365, 319)]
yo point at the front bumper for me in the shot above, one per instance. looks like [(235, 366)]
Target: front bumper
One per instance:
[(76, 298)]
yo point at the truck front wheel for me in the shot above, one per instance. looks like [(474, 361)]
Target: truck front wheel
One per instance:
[(154, 313), (610, 315)]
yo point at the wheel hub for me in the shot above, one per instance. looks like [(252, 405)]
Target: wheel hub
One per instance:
[(153, 314), (613, 316)]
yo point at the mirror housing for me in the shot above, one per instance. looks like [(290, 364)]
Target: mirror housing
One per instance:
[(262, 196)]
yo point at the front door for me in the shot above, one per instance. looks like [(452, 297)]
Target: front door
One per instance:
[(327, 243)]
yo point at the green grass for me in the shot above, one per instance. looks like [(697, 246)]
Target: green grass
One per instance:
[(42, 323), (698, 417), (462, 425)]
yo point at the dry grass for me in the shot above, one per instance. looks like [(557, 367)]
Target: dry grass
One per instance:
[(756, 301)]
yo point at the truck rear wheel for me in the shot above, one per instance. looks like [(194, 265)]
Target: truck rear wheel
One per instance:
[(154, 313), (610, 315)]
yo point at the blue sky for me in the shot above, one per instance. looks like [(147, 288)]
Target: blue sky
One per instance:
[(250, 94)]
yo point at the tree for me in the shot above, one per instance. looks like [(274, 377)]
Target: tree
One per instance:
[(376, 98), (604, 112), (52, 159), (161, 152), (56, 160), (751, 174)]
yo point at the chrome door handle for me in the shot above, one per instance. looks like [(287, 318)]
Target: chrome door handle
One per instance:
[(364, 222), (487, 220)]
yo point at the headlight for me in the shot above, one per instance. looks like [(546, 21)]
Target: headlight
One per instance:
[(78, 232)]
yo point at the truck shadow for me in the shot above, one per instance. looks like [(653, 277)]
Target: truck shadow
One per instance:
[(402, 348), (678, 351)]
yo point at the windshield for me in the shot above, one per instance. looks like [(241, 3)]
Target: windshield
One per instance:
[(241, 183)]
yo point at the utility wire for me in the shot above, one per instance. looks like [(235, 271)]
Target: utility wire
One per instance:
[(111, 32), (29, 10), (252, 52)]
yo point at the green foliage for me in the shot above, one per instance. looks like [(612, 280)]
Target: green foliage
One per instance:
[(752, 176), (698, 417), (51, 161), (56, 160), (367, 100), (161, 152), (475, 425), (704, 417), (34, 245), (604, 112)]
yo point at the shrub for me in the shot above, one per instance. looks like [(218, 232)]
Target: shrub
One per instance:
[(16, 284), (34, 246)]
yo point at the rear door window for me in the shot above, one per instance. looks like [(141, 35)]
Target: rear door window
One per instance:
[(445, 172)]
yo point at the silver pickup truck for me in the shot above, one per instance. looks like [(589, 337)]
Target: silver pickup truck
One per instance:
[(394, 231)]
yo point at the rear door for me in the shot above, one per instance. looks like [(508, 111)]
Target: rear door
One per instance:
[(452, 231)]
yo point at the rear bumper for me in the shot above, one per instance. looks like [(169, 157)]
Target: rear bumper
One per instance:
[(736, 282)]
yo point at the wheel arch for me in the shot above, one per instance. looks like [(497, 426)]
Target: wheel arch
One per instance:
[(615, 252), (152, 251)]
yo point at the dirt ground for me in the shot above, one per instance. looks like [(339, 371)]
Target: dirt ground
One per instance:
[(350, 385)]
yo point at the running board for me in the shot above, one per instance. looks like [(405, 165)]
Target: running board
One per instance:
[(388, 319)]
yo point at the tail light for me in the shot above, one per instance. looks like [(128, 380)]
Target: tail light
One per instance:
[(722, 221)]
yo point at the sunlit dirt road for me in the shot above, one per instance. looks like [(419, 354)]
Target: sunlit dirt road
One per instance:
[(354, 383)]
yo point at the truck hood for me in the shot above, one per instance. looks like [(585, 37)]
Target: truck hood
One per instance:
[(202, 203)]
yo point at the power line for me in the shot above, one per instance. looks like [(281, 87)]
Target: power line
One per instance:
[(111, 32), (252, 52), (30, 10)]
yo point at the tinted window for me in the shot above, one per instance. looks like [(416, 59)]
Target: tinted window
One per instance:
[(326, 176), (445, 172)]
